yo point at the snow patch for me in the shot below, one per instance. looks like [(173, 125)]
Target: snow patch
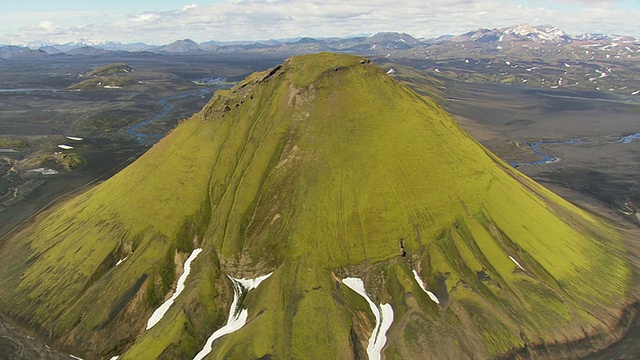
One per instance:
[(432, 296), (74, 138), (237, 316), (516, 262), (121, 260), (44, 171), (379, 337), (65, 147), (75, 357), (391, 71), (159, 313)]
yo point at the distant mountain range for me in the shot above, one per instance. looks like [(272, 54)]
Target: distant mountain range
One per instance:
[(380, 43)]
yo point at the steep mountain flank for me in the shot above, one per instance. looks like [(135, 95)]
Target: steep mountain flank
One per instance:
[(310, 176)]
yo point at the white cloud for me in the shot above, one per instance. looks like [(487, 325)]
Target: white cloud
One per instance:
[(267, 19), (47, 25), (145, 17)]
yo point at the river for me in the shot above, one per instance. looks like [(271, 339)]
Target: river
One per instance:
[(548, 159), (167, 105)]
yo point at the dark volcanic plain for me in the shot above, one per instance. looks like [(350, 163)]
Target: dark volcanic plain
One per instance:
[(600, 168), (37, 111)]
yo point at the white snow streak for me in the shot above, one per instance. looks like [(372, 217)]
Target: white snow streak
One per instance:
[(379, 336), (250, 284), (424, 288), (75, 357), (120, 261), (74, 138), (65, 147), (516, 262), (237, 316), (159, 313)]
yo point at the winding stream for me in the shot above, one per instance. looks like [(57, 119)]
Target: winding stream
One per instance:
[(26, 90), (167, 106), (548, 159)]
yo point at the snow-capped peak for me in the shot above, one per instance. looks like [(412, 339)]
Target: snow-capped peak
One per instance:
[(537, 33)]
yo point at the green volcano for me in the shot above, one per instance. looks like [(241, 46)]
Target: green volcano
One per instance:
[(321, 169)]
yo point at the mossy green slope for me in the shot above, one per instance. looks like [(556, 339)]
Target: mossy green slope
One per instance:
[(321, 168), (110, 69), (116, 75)]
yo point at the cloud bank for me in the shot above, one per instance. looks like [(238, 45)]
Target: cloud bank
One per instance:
[(231, 20)]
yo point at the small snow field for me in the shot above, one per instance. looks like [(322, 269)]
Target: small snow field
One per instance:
[(431, 295), (44, 171), (162, 310), (383, 315), (516, 262), (237, 315)]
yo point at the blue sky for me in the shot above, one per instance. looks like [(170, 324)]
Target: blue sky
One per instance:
[(164, 21)]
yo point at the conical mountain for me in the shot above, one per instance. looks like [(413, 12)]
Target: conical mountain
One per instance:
[(321, 169)]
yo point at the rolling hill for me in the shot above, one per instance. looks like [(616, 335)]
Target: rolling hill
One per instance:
[(109, 76), (318, 209)]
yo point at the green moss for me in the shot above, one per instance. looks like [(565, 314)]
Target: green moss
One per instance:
[(152, 299), (324, 165), (70, 161), (10, 142), (110, 69)]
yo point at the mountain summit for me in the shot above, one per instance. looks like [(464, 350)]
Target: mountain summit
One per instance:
[(519, 33), (316, 210)]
